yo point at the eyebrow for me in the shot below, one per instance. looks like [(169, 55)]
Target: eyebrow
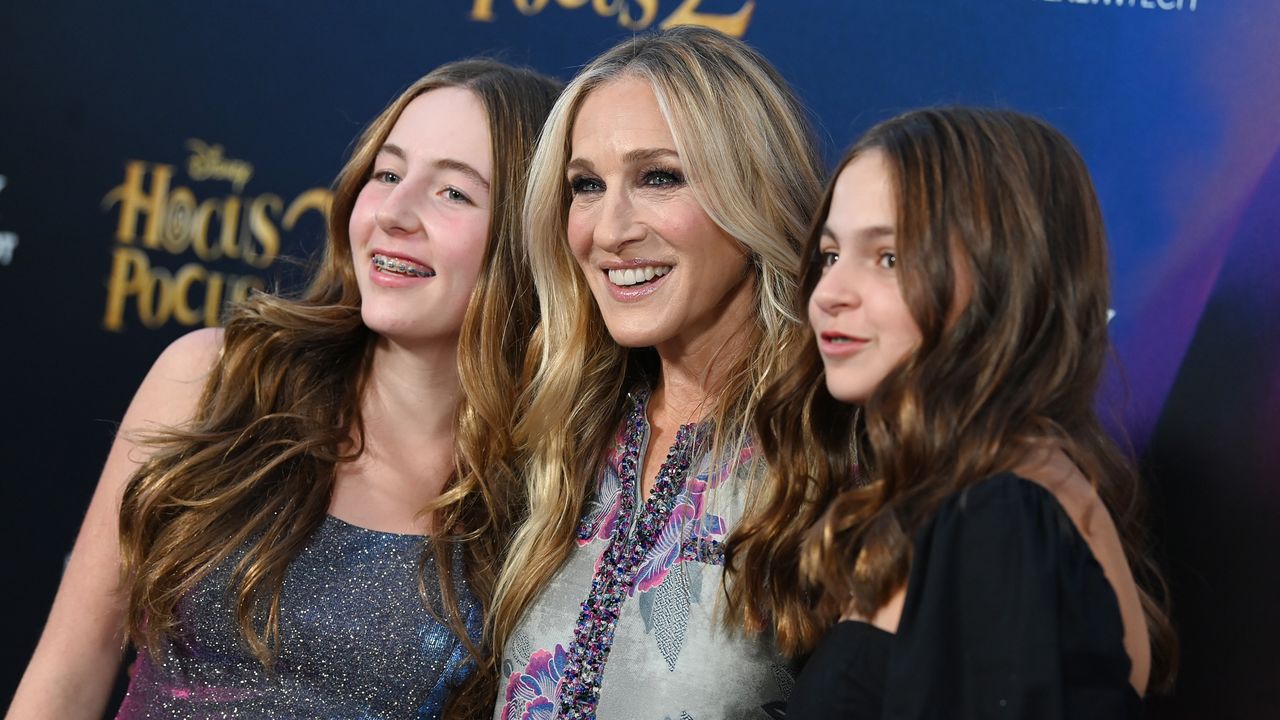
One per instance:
[(465, 169), (867, 234), (442, 163), (631, 157)]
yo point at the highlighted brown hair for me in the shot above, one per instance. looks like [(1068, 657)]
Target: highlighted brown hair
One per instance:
[(254, 468), (1006, 201)]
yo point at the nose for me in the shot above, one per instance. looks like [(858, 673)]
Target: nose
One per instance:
[(616, 225), (399, 211), (836, 290)]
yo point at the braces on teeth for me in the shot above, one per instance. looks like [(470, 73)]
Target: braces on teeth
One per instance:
[(399, 266)]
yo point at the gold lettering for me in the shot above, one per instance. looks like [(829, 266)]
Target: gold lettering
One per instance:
[(317, 199), (605, 8), (160, 295), (133, 276), (128, 277), (734, 25), (200, 230), (213, 300), (178, 221), (178, 215), (230, 224), (650, 9), (482, 11), (187, 274), (261, 228), (155, 302), (530, 7), (133, 201)]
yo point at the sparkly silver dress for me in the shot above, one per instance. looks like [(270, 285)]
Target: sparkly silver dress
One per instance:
[(356, 641)]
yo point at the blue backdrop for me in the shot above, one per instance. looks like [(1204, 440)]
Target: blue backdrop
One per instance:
[(159, 159)]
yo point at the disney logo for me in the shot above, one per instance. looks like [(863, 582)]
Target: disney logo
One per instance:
[(207, 162)]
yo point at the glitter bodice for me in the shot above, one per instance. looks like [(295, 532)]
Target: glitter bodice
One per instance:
[(356, 641)]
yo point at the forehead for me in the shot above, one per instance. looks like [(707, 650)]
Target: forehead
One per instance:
[(444, 123), (863, 196), (618, 116)]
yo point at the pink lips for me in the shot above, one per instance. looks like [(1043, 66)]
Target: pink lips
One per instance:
[(834, 344), (633, 293)]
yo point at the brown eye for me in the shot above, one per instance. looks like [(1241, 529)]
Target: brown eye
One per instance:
[(887, 260)]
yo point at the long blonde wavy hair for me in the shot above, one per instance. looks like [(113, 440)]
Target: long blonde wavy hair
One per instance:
[(747, 147), (254, 468)]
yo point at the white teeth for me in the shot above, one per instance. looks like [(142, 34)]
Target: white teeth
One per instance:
[(397, 266), (635, 276)]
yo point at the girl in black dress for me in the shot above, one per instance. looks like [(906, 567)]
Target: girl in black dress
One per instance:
[(975, 532)]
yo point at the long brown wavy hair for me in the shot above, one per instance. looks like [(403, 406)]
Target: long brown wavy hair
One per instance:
[(255, 466), (753, 166), (1005, 201)]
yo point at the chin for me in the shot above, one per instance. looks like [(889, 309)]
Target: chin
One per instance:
[(846, 391), (395, 329), (634, 334), (632, 340)]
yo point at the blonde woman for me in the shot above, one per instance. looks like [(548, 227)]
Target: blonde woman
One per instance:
[(667, 201), (265, 494)]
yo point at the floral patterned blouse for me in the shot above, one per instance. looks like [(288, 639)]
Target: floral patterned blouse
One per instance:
[(631, 625)]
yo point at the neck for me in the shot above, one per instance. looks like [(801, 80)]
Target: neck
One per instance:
[(694, 366), (407, 406), (412, 391)]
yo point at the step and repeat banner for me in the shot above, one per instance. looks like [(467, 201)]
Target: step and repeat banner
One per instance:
[(158, 160)]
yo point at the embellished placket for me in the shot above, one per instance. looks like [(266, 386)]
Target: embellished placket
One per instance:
[(629, 544)]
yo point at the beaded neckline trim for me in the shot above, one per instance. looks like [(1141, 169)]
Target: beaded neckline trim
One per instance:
[(627, 549)]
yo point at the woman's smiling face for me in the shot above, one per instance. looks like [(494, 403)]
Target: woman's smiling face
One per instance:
[(661, 270)]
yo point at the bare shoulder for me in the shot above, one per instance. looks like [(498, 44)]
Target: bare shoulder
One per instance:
[(191, 356), (75, 662), (171, 389)]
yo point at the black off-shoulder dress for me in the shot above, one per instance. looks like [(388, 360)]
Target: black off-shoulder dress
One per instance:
[(1007, 615)]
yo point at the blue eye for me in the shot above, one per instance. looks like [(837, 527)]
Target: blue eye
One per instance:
[(455, 195), (584, 184), (661, 178), (386, 176), (827, 258)]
